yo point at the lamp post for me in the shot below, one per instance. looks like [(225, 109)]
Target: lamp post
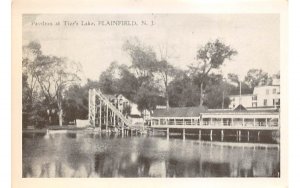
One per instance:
[(240, 93), (223, 100)]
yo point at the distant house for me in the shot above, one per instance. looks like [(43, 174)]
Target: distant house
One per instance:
[(120, 102), (262, 97), (136, 120)]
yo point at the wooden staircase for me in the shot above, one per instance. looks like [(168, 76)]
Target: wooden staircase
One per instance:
[(98, 99)]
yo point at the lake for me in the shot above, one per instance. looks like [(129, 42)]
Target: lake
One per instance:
[(88, 154)]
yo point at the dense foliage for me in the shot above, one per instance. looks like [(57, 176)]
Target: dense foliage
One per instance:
[(52, 93)]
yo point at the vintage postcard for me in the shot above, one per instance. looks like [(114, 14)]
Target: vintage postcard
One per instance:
[(150, 97)]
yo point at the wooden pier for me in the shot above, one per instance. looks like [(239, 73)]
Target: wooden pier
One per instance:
[(221, 122)]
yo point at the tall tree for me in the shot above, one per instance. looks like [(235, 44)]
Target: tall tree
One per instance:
[(32, 101), (54, 76), (256, 77), (182, 91), (143, 63), (128, 83), (147, 97), (108, 79), (49, 75), (165, 72), (75, 104), (210, 56), (233, 78), (143, 58)]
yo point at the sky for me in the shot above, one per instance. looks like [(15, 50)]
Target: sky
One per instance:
[(256, 37)]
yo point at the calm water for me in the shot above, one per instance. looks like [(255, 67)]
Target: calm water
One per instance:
[(95, 155)]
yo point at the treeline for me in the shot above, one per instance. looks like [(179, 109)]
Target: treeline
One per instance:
[(45, 83), (52, 93)]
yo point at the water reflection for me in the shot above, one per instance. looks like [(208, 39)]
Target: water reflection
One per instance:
[(95, 155)]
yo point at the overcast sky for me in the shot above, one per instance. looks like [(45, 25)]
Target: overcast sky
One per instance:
[(255, 37)]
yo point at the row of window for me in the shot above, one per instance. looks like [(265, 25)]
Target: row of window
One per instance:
[(276, 102), (273, 91)]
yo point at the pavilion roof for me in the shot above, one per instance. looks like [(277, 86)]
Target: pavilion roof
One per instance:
[(196, 111), (179, 112)]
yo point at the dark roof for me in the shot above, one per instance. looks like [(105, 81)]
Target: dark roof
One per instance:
[(240, 108), (252, 111), (179, 112), (134, 116)]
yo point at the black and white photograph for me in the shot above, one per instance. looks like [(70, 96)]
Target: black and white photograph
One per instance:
[(151, 95)]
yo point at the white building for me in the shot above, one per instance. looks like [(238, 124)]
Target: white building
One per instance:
[(120, 102), (263, 96), (245, 100)]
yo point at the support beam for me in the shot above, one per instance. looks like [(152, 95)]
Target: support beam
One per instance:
[(183, 134), (122, 129), (114, 119), (248, 136), (106, 123), (168, 133), (222, 135), (211, 135), (199, 134), (100, 115)]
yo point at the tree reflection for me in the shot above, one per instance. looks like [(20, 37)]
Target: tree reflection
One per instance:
[(61, 155)]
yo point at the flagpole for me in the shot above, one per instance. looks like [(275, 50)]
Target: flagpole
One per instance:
[(240, 92)]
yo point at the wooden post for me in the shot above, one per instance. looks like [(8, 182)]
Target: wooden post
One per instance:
[(266, 122), (254, 123), (183, 134), (100, 115), (199, 134), (248, 136), (113, 118), (258, 133), (122, 129), (240, 134), (106, 124), (211, 135), (222, 135), (243, 121), (168, 132)]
